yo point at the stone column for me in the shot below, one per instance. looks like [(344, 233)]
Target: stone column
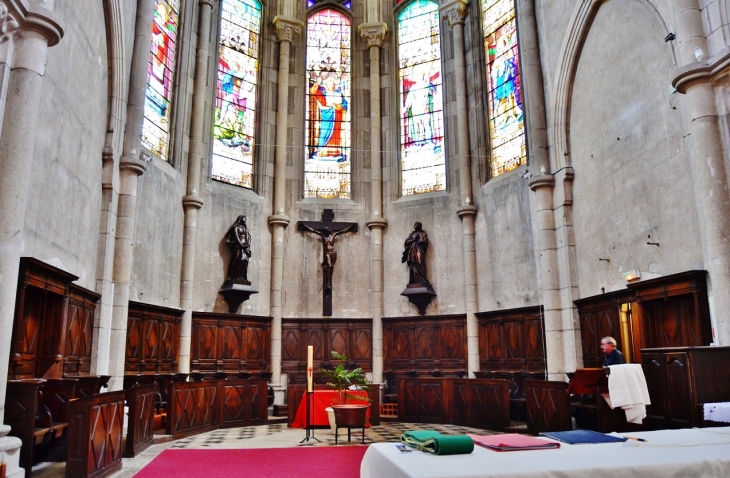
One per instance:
[(373, 34), (709, 171), (191, 201), (455, 12), (286, 29), (130, 168), (26, 32), (559, 340)]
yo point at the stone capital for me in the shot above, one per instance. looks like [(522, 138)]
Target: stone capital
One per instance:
[(132, 164), (8, 23), (287, 28), (279, 220), (192, 202), (455, 12), (378, 222), (469, 210), (542, 181), (373, 33), (41, 20), (210, 3)]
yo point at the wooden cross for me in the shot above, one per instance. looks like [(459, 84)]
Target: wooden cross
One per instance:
[(327, 229)]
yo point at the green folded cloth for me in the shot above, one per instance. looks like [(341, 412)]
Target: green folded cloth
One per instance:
[(432, 441)]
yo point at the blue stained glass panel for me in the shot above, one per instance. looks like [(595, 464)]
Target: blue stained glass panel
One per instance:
[(506, 109), (234, 120), (327, 151), (423, 166), (156, 123)]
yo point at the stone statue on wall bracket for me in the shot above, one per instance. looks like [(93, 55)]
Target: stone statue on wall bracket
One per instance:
[(237, 288), (419, 290)]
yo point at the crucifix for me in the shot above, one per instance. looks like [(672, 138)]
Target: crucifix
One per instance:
[(327, 230)]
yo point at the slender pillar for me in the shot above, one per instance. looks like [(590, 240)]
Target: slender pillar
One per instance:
[(373, 34), (560, 334), (130, 168), (191, 201), (26, 32), (708, 161), (455, 12), (286, 29)]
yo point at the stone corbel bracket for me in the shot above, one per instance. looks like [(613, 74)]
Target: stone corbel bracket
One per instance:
[(698, 72), (17, 15)]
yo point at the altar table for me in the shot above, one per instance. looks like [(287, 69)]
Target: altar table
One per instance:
[(703, 452), (321, 400)]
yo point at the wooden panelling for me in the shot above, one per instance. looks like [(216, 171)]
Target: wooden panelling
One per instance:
[(425, 346), (21, 408), (548, 406), (477, 403), (351, 337), (196, 407), (599, 317), (141, 418), (153, 339), (680, 380), (512, 340), (230, 343), (671, 311), (52, 328), (95, 435)]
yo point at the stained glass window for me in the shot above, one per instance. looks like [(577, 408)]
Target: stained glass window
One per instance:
[(327, 151), (423, 167), (506, 116), (156, 124), (234, 118)]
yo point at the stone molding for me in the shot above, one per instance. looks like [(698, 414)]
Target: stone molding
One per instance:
[(210, 3), (695, 73), (8, 24), (468, 210), (41, 20), (192, 202), (287, 28), (542, 181), (374, 222), (455, 12), (132, 164), (373, 33), (279, 219)]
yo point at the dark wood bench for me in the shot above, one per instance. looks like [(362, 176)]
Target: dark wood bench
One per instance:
[(548, 406)]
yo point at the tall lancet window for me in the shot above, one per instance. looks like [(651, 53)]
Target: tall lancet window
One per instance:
[(327, 151), (156, 123), (423, 167), (234, 121), (506, 111)]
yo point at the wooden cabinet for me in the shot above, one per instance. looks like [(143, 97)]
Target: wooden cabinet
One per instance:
[(153, 339), (512, 340), (53, 324), (230, 343), (350, 337), (681, 379)]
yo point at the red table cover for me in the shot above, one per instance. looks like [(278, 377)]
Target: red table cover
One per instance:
[(321, 400)]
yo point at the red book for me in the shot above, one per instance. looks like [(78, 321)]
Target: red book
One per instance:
[(513, 442)]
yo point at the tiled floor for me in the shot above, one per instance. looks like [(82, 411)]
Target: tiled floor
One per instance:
[(264, 436)]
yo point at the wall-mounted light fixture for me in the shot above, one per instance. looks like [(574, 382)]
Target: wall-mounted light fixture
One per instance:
[(631, 276)]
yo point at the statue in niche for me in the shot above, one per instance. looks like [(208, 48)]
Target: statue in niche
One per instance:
[(415, 255), (328, 248), (238, 240)]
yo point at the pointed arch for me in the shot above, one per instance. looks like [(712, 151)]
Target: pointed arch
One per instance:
[(570, 51)]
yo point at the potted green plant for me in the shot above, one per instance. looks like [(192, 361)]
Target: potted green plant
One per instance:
[(345, 382)]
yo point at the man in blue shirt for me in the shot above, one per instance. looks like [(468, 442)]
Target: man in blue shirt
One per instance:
[(613, 356)]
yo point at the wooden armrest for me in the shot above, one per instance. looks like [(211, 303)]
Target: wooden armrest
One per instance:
[(58, 428), (39, 434)]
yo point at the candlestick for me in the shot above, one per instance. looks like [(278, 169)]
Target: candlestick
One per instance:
[(310, 371)]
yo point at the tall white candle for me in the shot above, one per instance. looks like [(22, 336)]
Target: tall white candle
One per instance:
[(310, 364)]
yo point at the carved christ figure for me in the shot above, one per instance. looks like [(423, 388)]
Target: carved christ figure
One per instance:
[(328, 248)]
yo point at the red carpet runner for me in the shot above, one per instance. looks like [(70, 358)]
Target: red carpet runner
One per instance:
[(319, 462)]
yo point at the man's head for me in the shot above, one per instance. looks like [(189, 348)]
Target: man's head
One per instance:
[(417, 226), (608, 344)]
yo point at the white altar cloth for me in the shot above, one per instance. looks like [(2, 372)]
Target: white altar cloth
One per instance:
[(667, 453), (717, 412)]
